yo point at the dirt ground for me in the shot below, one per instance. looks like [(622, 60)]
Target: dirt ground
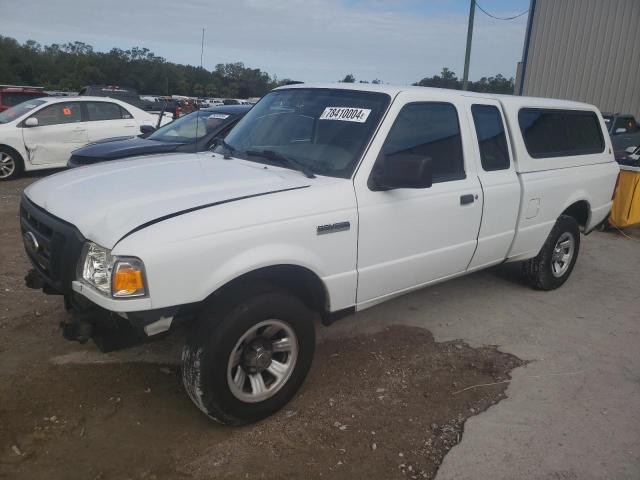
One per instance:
[(388, 404)]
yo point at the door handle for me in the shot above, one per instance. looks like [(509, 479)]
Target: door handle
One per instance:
[(466, 199), (79, 129)]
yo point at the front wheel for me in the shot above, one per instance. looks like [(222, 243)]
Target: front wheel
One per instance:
[(248, 355), (11, 164), (555, 262)]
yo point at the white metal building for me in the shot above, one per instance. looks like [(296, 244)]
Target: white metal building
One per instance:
[(585, 50)]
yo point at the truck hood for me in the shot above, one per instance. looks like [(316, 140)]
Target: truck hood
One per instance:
[(107, 201)]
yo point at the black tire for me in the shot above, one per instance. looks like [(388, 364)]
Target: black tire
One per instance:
[(16, 161), (539, 270), (209, 345)]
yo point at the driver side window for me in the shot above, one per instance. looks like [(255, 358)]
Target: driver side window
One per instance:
[(429, 129)]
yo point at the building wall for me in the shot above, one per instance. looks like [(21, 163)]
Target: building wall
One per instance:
[(585, 50)]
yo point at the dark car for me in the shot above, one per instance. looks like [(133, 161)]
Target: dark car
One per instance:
[(623, 129), (192, 133)]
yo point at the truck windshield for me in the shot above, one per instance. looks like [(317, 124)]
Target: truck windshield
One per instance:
[(190, 127), (19, 110), (323, 130)]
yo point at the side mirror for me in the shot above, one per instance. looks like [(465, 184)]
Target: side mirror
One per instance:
[(216, 141), (147, 129), (31, 122), (403, 170), (620, 130)]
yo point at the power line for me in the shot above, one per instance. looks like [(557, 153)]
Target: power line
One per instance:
[(500, 18)]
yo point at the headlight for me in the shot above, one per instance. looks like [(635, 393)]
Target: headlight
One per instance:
[(120, 277), (96, 267)]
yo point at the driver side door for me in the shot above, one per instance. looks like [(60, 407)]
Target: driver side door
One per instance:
[(61, 129), (409, 237)]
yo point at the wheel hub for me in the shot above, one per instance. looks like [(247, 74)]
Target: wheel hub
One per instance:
[(7, 165), (262, 361), (257, 355), (562, 255)]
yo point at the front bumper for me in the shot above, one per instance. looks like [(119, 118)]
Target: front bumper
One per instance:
[(110, 330), (113, 330)]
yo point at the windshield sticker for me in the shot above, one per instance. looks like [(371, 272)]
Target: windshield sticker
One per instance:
[(221, 116), (346, 114), (29, 106)]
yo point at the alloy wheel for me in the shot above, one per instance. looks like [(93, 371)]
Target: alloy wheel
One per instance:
[(7, 165), (562, 254), (262, 361)]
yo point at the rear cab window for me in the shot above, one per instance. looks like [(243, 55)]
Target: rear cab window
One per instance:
[(492, 140), (560, 133)]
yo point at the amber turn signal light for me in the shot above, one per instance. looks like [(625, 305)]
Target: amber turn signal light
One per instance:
[(128, 279)]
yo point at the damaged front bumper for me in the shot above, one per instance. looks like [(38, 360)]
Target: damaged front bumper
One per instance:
[(110, 329)]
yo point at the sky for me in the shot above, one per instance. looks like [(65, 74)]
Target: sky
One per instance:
[(396, 41)]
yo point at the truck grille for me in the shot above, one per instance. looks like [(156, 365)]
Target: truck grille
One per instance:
[(52, 245)]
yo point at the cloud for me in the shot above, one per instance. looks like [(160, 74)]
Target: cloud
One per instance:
[(309, 40)]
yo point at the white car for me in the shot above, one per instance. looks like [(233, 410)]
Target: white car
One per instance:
[(41, 133), (321, 201)]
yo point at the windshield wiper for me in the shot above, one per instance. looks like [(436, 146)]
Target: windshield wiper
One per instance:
[(283, 159)]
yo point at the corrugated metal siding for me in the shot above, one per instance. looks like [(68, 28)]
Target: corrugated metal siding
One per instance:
[(586, 50)]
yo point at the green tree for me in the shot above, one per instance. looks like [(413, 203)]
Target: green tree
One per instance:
[(448, 79), (72, 65)]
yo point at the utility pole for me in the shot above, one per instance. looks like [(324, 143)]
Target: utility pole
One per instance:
[(467, 54), (202, 48)]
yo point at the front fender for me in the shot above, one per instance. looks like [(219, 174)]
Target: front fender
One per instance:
[(262, 256)]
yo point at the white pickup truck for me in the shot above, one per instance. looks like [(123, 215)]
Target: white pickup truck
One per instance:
[(322, 201)]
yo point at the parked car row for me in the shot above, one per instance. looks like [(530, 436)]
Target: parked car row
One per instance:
[(42, 132), (322, 201), (195, 132)]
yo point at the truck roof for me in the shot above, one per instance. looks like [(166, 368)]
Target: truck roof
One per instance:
[(393, 90)]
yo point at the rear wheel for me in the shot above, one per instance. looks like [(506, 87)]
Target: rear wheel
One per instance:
[(11, 164), (248, 355), (555, 262)]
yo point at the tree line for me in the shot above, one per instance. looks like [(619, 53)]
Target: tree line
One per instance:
[(71, 66), (448, 79)]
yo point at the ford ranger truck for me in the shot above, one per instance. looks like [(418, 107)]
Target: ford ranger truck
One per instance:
[(322, 201)]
